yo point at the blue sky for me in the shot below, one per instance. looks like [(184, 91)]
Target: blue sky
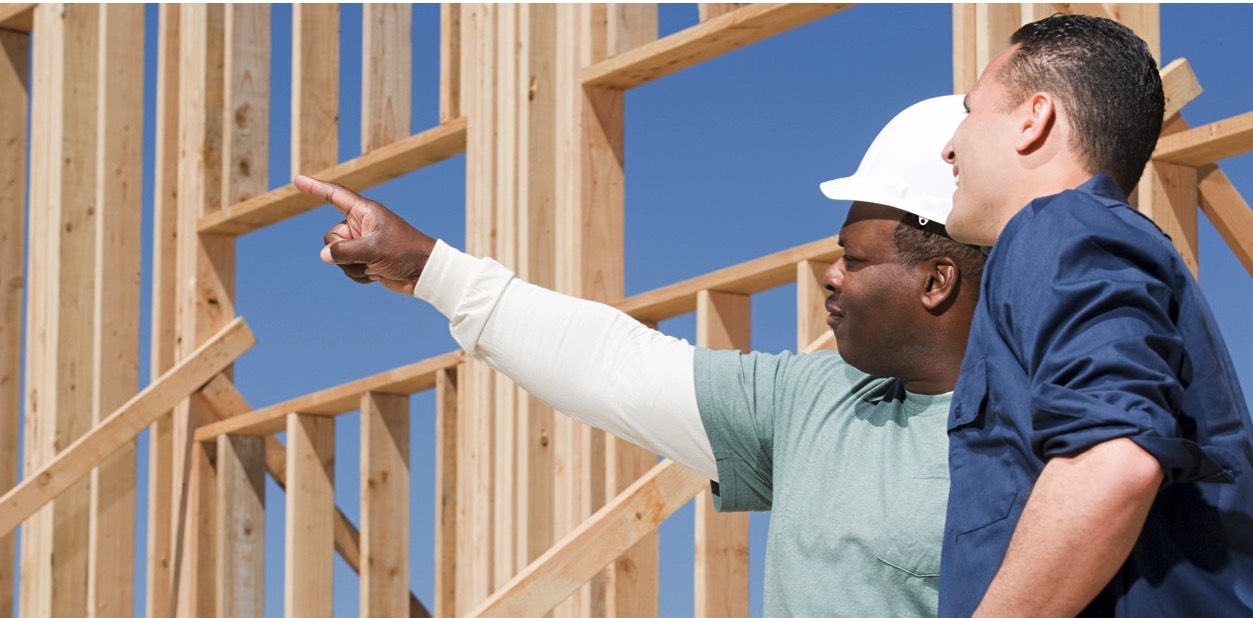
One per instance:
[(723, 162)]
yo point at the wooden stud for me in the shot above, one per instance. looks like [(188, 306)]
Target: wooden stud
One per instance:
[(315, 87), (1180, 86), (723, 322), (60, 299), (384, 504), (446, 460), (240, 534), (386, 73), (1229, 213), (1144, 20), (14, 99), (368, 170), (1207, 144), (1040, 11), (449, 62), (246, 154), (994, 24), (707, 11), (162, 342), (701, 42), (621, 524), (78, 459), (197, 594), (119, 204), (17, 16), (965, 68), (811, 295), (310, 498)]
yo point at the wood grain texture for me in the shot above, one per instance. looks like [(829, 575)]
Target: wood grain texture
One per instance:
[(384, 504), (386, 74), (240, 533), (310, 498), (315, 87)]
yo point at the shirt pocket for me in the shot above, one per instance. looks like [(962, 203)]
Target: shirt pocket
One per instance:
[(912, 539), (982, 488)]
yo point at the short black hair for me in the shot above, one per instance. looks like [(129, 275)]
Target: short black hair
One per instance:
[(917, 241), (1107, 81)]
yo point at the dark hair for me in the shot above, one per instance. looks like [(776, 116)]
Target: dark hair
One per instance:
[(917, 241), (1107, 81)]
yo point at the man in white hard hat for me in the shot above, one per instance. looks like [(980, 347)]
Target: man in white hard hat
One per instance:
[(848, 450)]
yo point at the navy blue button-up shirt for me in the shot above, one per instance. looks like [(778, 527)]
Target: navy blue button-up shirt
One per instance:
[(1091, 328)]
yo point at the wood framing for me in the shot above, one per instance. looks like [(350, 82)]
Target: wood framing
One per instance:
[(17, 16), (246, 147), (449, 62), (384, 504), (811, 294), (386, 74), (1208, 144), (1227, 210), (1180, 86), (446, 461), (702, 42), (14, 144), (310, 497), (240, 534), (315, 74)]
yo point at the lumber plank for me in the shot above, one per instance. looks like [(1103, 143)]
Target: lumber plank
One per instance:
[(197, 594), (370, 169), (1180, 85), (965, 70), (60, 299), (708, 11), (613, 529), (446, 422), (162, 341), (240, 531), (1040, 11), (315, 87), (749, 277), (1209, 143), (1167, 194), (1144, 20), (310, 500), (387, 74), (246, 112), (17, 16), (14, 99), (123, 424), (701, 42), (723, 322), (994, 24), (335, 400), (1227, 210), (449, 62), (119, 204), (384, 504), (811, 294)]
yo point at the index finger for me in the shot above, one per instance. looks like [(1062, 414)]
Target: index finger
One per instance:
[(342, 198)]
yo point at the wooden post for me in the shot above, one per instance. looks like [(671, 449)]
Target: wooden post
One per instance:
[(162, 343), (723, 322), (119, 206), (310, 498), (446, 493), (384, 504), (449, 61), (707, 12), (197, 595), (811, 313), (240, 526), (14, 99), (994, 24), (246, 152), (315, 87), (1168, 194), (386, 73), (60, 313), (965, 69)]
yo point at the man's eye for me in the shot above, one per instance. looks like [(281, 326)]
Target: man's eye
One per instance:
[(849, 258)]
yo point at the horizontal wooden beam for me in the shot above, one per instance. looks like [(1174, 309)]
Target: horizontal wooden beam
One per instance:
[(750, 277), (1230, 214), (1180, 85), (124, 424), (1207, 144), (336, 400), (17, 16), (612, 530), (702, 42), (372, 168)]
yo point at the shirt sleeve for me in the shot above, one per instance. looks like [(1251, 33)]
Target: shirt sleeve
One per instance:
[(737, 395), (1093, 324), (590, 361)]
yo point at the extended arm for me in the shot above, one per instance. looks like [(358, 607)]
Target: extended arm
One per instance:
[(1078, 526)]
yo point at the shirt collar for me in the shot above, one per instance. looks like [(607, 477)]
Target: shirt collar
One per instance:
[(1104, 186)]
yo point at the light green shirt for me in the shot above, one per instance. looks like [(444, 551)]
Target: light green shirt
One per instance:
[(854, 469)]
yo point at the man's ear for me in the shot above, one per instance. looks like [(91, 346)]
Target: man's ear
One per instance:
[(940, 288), (1036, 122)]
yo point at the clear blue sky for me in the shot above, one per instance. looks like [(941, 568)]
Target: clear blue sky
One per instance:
[(723, 163)]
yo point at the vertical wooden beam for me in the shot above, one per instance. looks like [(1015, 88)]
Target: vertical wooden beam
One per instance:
[(61, 324), (162, 342), (811, 313), (965, 69), (119, 206), (310, 505), (449, 61), (709, 11), (994, 24), (1144, 20), (240, 535), (14, 99), (246, 151), (723, 322), (1168, 194), (315, 87), (384, 504), (446, 492), (205, 287), (386, 74), (197, 596)]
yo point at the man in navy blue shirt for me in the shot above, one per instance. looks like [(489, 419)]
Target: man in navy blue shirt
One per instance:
[(1100, 448)]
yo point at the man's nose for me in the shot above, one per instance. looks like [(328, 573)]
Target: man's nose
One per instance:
[(948, 154), (833, 277)]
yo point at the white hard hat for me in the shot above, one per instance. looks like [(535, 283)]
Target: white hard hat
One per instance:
[(903, 168)]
